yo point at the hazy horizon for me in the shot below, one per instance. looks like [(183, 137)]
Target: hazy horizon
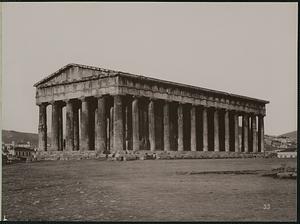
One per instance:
[(248, 49)]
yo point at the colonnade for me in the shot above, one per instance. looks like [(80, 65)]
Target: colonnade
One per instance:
[(122, 122)]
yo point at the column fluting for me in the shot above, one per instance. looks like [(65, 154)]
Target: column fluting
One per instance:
[(216, 131), (135, 125), (236, 132), (226, 120), (193, 128), (166, 120), (261, 132), (84, 125), (245, 129), (42, 129), (69, 126), (254, 133), (118, 124), (54, 127), (151, 116), (101, 140), (205, 130), (76, 127), (180, 126)]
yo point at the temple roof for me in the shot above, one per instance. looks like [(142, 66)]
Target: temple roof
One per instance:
[(109, 72)]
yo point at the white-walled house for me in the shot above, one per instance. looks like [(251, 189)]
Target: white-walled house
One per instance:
[(287, 153)]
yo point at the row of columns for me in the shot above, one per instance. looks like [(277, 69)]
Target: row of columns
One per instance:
[(117, 132)]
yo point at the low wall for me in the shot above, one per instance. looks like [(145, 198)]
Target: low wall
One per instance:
[(65, 155), (130, 155)]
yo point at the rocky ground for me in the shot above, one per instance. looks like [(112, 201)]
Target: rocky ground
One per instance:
[(149, 190)]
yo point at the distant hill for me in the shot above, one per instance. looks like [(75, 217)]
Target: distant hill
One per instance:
[(292, 134), (9, 136)]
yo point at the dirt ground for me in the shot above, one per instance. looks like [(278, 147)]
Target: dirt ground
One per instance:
[(151, 190)]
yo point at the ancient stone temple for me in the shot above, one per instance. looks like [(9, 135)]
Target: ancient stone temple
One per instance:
[(108, 111)]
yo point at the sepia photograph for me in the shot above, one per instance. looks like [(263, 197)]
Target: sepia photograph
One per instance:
[(148, 111)]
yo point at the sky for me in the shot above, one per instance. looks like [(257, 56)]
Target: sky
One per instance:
[(242, 48)]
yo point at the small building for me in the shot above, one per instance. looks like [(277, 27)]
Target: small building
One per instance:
[(287, 153), (23, 152), (11, 151), (23, 144), (276, 143)]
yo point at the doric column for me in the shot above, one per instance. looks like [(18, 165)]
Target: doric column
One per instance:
[(216, 131), (249, 133), (236, 132), (54, 127), (166, 110), (261, 132), (151, 125), (205, 130), (254, 133), (245, 129), (180, 127), (240, 142), (60, 128), (127, 136), (135, 125), (193, 128), (108, 133), (100, 145), (111, 128), (226, 120), (84, 125), (76, 127), (118, 124), (69, 126), (42, 127)]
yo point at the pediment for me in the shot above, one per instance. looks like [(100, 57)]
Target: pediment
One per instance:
[(72, 73)]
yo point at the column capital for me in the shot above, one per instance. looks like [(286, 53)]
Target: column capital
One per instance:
[(211, 107), (82, 99), (117, 94), (101, 96), (135, 100), (245, 114), (252, 114), (52, 102), (136, 96), (58, 102), (152, 99), (217, 109), (232, 110), (43, 104), (67, 100)]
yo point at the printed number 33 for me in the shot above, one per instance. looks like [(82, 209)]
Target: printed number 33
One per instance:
[(267, 206)]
